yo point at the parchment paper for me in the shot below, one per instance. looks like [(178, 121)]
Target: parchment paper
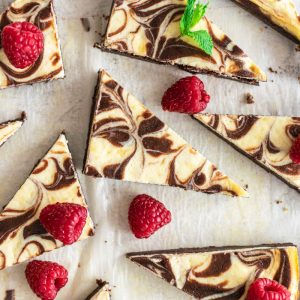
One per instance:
[(270, 215)]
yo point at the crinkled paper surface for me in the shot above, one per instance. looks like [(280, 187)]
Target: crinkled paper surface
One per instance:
[(270, 215)]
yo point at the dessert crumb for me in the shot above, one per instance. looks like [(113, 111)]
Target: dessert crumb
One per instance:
[(299, 79), (105, 242), (297, 48), (249, 98), (79, 265), (246, 186), (86, 24), (285, 209), (272, 70), (105, 17), (279, 201)]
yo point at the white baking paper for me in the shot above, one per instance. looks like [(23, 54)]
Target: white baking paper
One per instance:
[(270, 215)]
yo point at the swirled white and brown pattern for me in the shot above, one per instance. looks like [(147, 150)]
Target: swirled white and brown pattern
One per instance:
[(53, 180), (128, 142), (150, 29), (266, 139), (223, 273), (49, 65), (9, 128), (280, 13)]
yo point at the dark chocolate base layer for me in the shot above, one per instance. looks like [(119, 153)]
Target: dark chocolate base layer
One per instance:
[(93, 109), (185, 68), (208, 249), (101, 284), (253, 9), (249, 156), (22, 118)]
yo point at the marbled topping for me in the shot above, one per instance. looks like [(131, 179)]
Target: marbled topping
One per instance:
[(223, 274), (8, 129), (128, 142), (267, 140), (102, 292), (49, 65), (53, 180), (281, 12), (150, 28)]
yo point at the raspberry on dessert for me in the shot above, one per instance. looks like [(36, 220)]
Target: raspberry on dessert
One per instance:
[(46, 278), (146, 215), (22, 43), (64, 221), (267, 289), (295, 151), (186, 96)]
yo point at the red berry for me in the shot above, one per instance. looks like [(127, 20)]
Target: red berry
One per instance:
[(46, 278), (267, 289), (295, 151), (146, 215), (186, 96), (64, 221), (23, 43)]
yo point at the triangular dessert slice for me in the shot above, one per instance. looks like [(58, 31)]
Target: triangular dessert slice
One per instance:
[(9, 128), (267, 140), (150, 30), (49, 65), (53, 180), (225, 272), (102, 292), (128, 142), (281, 15)]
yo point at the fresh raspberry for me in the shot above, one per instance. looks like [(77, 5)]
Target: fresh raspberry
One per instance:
[(64, 221), (146, 215), (295, 151), (46, 278), (186, 96), (267, 289), (23, 43)]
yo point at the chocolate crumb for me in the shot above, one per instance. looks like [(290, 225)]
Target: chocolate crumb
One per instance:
[(86, 24), (79, 265), (297, 48), (299, 79), (272, 70), (246, 186), (105, 242), (10, 295), (249, 98), (279, 201), (106, 17)]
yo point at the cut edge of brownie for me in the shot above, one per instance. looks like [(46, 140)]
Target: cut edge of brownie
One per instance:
[(251, 8)]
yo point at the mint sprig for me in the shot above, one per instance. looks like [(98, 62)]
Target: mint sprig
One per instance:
[(193, 13)]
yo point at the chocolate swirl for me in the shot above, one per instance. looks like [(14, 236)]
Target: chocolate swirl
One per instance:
[(216, 274), (150, 29), (22, 236), (267, 140), (49, 64), (128, 142)]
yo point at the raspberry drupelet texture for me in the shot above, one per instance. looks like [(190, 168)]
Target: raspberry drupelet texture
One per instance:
[(146, 215), (23, 43), (186, 96), (295, 151), (46, 278), (64, 221), (267, 289)]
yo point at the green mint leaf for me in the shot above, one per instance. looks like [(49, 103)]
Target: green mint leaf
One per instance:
[(203, 39), (185, 22), (192, 15), (198, 14)]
